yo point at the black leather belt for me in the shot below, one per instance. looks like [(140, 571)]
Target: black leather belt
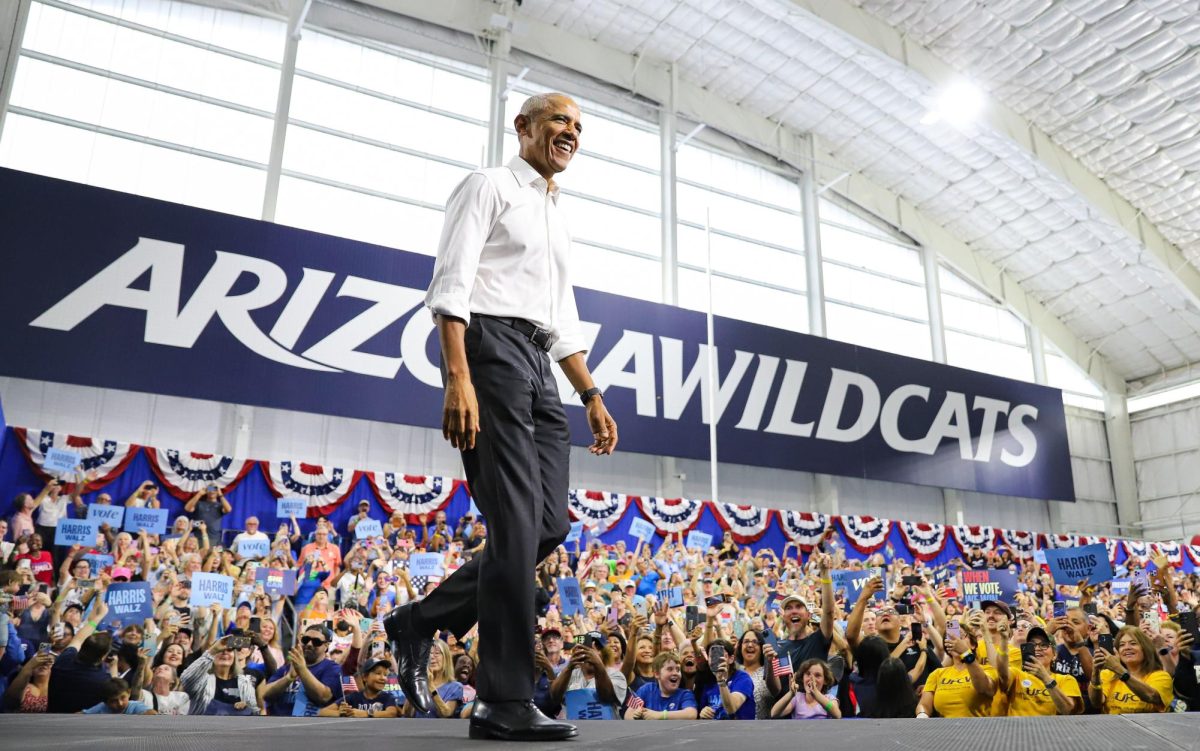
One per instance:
[(541, 338)]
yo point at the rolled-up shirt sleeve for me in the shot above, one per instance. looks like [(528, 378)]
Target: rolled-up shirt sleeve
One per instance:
[(569, 333), (470, 213)]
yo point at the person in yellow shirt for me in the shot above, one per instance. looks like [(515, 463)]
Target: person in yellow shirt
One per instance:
[(996, 616), (963, 689), (1132, 680), (1033, 691)]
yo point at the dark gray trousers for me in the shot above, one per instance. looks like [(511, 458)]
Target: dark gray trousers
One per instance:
[(518, 475)]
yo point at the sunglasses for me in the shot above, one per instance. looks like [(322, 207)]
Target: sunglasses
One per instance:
[(309, 641)]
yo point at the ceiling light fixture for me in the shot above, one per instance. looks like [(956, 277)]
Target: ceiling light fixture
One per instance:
[(959, 103)]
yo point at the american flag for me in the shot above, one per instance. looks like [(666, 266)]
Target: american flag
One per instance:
[(635, 702), (781, 666), (349, 685)]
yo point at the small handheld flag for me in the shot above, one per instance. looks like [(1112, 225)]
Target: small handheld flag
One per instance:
[(781, 666), (635, 702), (349, 685)]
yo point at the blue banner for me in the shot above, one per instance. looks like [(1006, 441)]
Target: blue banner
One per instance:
[(76, 532), (277, 582), (314, 323), (570, 596), (1069, 566), (852, 581), (210, 588)]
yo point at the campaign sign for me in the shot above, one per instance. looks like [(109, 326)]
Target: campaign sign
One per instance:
[(98, 561), (366, 528), (575, 533), (76, 532), (253, 547), (585, 704), (129, 602), (277, 582), (698, 539), (425, 564), (852, 582), (287, 508), (106, 514), (60, 461), (570, 596), (210, 588), (673, 596), (1120, 587), (643, 530), (989, 584), (138, 280), (153, 520), (1071, 565)]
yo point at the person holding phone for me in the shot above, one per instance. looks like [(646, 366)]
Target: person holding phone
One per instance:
[(217, 684), (807, 697), (588, 670), (1131, 680), (730, 697), (210, 506), (1034, 690), (965, 688)]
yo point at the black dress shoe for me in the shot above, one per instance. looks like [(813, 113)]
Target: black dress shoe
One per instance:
[(412, 657), (516, 721)]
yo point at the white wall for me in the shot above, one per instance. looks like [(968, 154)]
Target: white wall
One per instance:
[(1166, 450), (260, 433)]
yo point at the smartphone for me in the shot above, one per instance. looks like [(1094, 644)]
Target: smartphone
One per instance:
[(1027, 653), (691, 617), (1153, 618), (86, 584), (911, 581), (256, 624), (44, 648), (239, 642), (716, 657), (1091, 609), (1188, 622), (977, 605), (329, 625), (1105, 642), (917, 631), (1060, 609), (953, 630), (580, 639), (903, 608), (714, 600)]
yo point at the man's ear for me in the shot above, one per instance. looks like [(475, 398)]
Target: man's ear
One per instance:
[(520, 123)]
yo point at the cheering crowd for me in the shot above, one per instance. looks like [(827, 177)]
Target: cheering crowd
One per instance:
[(623, 634)]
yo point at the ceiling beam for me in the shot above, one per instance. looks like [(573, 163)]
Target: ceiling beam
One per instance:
[(879, 35)]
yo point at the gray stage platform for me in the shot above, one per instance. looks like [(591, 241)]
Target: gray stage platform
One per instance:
[(1134, 733)]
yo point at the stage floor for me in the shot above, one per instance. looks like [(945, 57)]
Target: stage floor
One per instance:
[(1133, 733)]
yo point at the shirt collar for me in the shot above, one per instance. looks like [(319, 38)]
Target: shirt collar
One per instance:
[(525, 174)]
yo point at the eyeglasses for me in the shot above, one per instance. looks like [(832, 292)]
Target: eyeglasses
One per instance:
[(309, 641)]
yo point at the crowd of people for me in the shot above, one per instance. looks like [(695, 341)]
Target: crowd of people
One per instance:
[(672, 633)]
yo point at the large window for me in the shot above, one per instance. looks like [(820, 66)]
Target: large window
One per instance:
[(1078, 390), (874, 285), (377, 139), (756, 234), (981, 334), (163, 99)]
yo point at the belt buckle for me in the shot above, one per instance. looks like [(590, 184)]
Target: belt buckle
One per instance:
[(540, 338)]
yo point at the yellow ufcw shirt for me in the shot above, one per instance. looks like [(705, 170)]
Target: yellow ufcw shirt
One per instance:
[(1000, 700), (1120, 699), (953, 694), (1029, 697)]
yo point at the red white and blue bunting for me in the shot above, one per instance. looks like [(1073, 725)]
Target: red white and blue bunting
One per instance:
[(323, 488), (185, 474), (105, 459), (975, 538), (1137, 549), (1062, 541), (1172, 550), (412, 495), (803, 528), (1193, 551), (1113, 546), (866, 534), (671, 515), (1023, 544), (925, 541), (598, 511), (747, 523)]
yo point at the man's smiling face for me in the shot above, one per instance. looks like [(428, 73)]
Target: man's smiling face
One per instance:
[(549, 138)]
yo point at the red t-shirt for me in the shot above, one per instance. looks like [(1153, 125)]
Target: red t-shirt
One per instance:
[(42, 565)]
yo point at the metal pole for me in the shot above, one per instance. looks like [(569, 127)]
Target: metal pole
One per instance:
[(670, 229), (711, 381), (20, 17), (933, 301), (283, 106), (498, 79), (812, 240)]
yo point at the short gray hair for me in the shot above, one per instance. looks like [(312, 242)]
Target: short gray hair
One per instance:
[(535, 104)]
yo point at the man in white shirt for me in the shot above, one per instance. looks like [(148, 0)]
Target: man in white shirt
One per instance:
[(252, 535), (502, 298)]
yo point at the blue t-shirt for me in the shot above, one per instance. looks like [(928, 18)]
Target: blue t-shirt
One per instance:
[(739, 683), (648, 583), (134, 707), (382, 701), (656, 702), (327, 672)]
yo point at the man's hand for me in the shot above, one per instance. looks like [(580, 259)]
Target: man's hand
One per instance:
[(707, 713), (873, 585), (604, 428), (460, 413), (295, 658)]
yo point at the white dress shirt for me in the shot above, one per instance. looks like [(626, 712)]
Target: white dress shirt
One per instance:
[(504, 252)]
